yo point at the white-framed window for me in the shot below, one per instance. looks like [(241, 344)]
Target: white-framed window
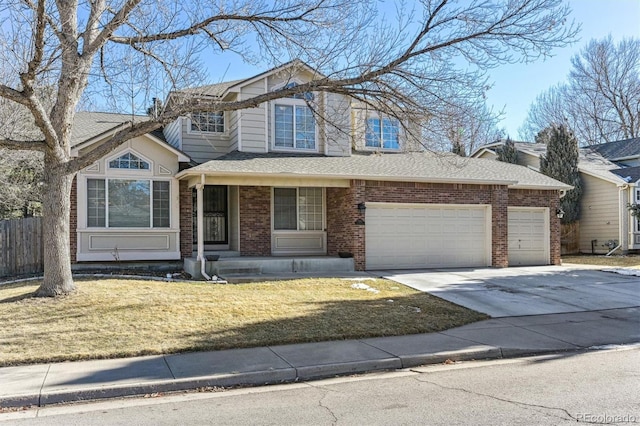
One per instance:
[(128, 203), (383, 133), (298, 209), (294, 125), (129, 161), (207, 122)]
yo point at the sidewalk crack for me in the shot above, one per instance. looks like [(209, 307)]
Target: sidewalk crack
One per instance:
[(164, 358), (286, 361), (42, 385)]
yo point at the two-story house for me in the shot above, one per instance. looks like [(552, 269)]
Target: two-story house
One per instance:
[(610, 173), (280, 181)]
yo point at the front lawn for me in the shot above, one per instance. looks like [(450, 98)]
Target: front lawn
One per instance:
[(120, 318), (628, 261)]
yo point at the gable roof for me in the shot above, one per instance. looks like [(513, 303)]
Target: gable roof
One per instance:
[(222, 88), (407, 167), (618, 150), (589, 161), (90, 127), (214, 90)]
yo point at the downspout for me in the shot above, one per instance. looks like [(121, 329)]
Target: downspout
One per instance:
[(621, 218), (200, 224)]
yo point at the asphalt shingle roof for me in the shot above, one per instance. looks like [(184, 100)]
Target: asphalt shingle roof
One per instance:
[(88, 125), (420, 167), (211, 89), (618, 149), (589, 161), (629, 174)]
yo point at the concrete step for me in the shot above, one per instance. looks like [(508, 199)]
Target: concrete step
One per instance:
[(245, 266)]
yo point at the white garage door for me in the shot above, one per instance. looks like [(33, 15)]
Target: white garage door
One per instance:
[(528, 237), (426, 236)]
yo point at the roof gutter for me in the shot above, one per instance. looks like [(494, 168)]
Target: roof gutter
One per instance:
[(189, 173)]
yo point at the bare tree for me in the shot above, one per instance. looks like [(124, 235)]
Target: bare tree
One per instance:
[(601, 98), (462, 126), (101, 45)]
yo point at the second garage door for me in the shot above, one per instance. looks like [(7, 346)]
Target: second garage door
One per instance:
[(528, 236), (427, 236)]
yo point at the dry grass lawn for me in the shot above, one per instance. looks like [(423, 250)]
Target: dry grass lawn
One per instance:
[(120, 318), (628, 261)]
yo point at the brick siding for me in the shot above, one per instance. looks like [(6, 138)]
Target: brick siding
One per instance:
[(186, 220), (344, 235), (255, 220)]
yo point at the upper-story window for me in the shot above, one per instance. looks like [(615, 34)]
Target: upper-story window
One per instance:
[(129, 161), (210, 122), (293, 122), (382, 133)]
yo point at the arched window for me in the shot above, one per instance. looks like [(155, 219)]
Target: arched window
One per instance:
[(129, 161)]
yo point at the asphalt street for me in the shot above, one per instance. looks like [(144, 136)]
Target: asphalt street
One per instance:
[(599, 387)]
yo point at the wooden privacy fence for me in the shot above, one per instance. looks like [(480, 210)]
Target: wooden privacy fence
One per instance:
[(21, 246)]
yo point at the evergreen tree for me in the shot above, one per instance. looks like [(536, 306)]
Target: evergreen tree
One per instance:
[(508, 153), (561, 163)]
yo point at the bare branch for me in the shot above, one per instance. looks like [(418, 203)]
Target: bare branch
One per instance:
[(27, 78), (13, 95), (107, 32), (23, 145), (263, 19), (126, 132)]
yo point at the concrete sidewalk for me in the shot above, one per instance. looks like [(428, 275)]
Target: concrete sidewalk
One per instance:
[(494, 338)]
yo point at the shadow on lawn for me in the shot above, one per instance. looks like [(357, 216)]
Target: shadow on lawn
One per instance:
[(19, 297)]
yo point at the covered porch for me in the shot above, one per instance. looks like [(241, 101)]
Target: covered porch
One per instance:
[(259, 225)]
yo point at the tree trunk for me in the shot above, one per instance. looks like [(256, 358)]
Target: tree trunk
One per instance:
[(56, 206)]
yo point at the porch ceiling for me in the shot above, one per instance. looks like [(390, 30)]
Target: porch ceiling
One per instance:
[(266, 180)]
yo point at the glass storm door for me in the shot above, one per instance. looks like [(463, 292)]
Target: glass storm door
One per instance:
[(214, 215)]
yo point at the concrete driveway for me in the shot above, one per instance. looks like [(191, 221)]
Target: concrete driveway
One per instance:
[(525, 290)]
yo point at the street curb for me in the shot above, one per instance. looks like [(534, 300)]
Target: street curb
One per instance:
[(256, 378)]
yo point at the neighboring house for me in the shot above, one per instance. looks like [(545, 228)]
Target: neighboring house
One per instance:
[(610, 173), (276, 181)]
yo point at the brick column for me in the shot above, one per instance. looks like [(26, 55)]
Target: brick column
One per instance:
[(343, 235), (555, 245), (499, 227), (186, 220), (255, 220), (359, 196)]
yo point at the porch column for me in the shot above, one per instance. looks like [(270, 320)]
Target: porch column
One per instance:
[(200, 220), (627, 237)]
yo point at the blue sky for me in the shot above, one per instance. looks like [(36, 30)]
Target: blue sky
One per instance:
[(515, 86)]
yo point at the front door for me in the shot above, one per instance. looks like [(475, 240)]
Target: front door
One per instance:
[(215, 215)]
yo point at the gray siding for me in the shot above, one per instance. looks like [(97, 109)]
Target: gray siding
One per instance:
[(172, 134), (337, 128), (528, 160), (202, 147), (253, 121), (233, 131)]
